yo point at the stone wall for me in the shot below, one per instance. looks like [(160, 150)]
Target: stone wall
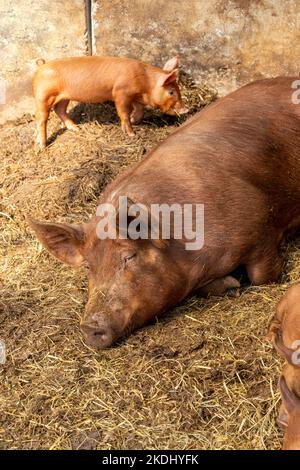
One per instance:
[(30, 29), (223, 42)]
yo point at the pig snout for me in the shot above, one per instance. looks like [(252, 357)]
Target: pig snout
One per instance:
[(177, 110), (98, 332)]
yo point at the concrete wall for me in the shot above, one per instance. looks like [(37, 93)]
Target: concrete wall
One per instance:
[(224, 42), (30, 29)]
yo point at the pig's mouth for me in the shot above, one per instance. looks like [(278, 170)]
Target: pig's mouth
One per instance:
[(177, 112), (171, 112)]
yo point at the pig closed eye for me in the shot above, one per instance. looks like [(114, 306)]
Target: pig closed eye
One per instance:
[(129, 258)]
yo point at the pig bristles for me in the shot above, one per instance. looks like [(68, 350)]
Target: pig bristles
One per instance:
[(201, 377)]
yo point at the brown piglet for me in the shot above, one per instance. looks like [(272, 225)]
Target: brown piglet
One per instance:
[(284, 332), (130, 83)]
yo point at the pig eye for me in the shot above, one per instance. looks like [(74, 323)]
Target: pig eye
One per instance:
[(171, 92), (128, 258)]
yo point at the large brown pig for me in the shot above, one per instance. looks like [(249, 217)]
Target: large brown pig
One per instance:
[(284, 332), (130, 83), (240, 157)]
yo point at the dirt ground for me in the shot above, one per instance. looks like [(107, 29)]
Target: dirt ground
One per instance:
[(202, 377)]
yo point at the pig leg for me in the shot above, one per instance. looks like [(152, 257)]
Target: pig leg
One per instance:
[(220, 286), (61, 111), (41, 117), (124, 108), (264, 268), (137, 113)]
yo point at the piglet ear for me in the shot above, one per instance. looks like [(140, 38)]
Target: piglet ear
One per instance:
[(289, 398), (63, 241), (166, 79), (172, 64)]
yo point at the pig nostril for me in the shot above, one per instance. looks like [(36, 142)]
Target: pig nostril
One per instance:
[(100, 336), (99, 333)]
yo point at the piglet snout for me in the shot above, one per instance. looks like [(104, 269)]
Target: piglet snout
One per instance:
[(177, 110), (180, 109), (183, 110)]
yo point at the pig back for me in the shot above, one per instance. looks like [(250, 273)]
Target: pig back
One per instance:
[(239, 155), (240, 158)]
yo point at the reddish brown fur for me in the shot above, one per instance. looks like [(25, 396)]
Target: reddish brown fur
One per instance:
[(240, 158), (284, 331), (131, 84)]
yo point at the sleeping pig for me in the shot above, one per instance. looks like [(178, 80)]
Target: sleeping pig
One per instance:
[(239, 159)]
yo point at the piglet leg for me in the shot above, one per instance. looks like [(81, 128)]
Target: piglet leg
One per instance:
[(61, 111), (41, 117), (137, 113), (124, 109)]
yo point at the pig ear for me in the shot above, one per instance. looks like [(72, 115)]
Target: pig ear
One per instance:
[(166, 79), (63, 241), (172, 64), (289, 398)]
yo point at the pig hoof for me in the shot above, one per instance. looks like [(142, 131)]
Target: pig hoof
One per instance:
[(233, 292), (128, 132)]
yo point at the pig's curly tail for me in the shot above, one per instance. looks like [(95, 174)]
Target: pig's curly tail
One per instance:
[(40, 61)]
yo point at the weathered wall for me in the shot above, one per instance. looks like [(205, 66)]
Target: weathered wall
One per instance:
[(30, 29), (225, 42)]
